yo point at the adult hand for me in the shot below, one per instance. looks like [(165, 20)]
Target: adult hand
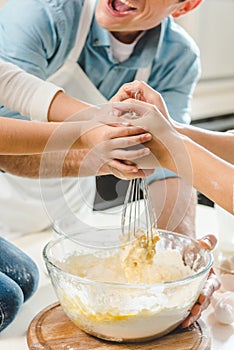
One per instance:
[(91, 165), (111, 141), (211, 285)]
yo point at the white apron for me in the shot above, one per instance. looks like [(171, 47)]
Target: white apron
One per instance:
[(29, 205)]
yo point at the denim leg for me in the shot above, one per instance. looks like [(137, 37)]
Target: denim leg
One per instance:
[(11, 299), (19, 267)]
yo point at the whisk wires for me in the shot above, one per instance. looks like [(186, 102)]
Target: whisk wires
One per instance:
[(138, 214)]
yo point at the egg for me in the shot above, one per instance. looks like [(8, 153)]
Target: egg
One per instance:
[(223, 304)]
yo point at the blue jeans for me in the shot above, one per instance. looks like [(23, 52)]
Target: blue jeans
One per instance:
[(19, 278)]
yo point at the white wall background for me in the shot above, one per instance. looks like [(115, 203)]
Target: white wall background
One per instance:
[(212, 27)]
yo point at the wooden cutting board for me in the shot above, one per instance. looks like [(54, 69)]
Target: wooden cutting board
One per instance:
[(51, 329)]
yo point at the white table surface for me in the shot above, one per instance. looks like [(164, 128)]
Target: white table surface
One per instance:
[(14, 336)]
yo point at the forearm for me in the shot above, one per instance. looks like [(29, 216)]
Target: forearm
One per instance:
[(35, 98), (198, 166), (212, 176), (25, 166), (208, 173), (51, 165), (25, 137), (63, 106), (54, 165), (219, 143)]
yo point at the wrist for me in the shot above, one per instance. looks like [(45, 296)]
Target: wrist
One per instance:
[(167, 149), (179, 127)]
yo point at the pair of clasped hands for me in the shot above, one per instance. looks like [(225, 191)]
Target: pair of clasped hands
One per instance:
[(132, 135)]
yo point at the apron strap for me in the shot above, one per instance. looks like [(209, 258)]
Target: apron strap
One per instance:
[(83, 29), (143, 73), (82, 33)]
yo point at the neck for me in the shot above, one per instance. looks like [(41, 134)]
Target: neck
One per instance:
[(126, 37)]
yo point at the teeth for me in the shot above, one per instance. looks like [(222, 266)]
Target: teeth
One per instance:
[(126, 2)]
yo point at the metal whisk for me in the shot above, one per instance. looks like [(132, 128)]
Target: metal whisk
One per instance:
[(133, 221), (138, 214)]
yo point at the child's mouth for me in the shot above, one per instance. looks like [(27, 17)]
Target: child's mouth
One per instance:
[(122, 6)]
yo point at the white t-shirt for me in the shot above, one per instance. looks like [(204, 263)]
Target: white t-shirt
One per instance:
[(25, 93), (121, 51)]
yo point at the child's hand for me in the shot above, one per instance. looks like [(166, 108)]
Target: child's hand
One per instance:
[(141, 91)]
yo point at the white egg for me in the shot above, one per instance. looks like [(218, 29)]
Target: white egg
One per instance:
[(223, 304)]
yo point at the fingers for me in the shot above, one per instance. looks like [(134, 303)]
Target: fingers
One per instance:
[(188, 321), (129, 131), (120, 96), (194, 315), (124, 93), (204, 299), (115, 124), (141, 91), (131, 90), (128, 148), (124, 148), (129, 141), (212, 284), (125, 171), (123, 168), (132, 109), (130, 155), (208, 242)]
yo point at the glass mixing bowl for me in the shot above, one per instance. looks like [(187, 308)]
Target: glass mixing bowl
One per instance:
[(108, 308)]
